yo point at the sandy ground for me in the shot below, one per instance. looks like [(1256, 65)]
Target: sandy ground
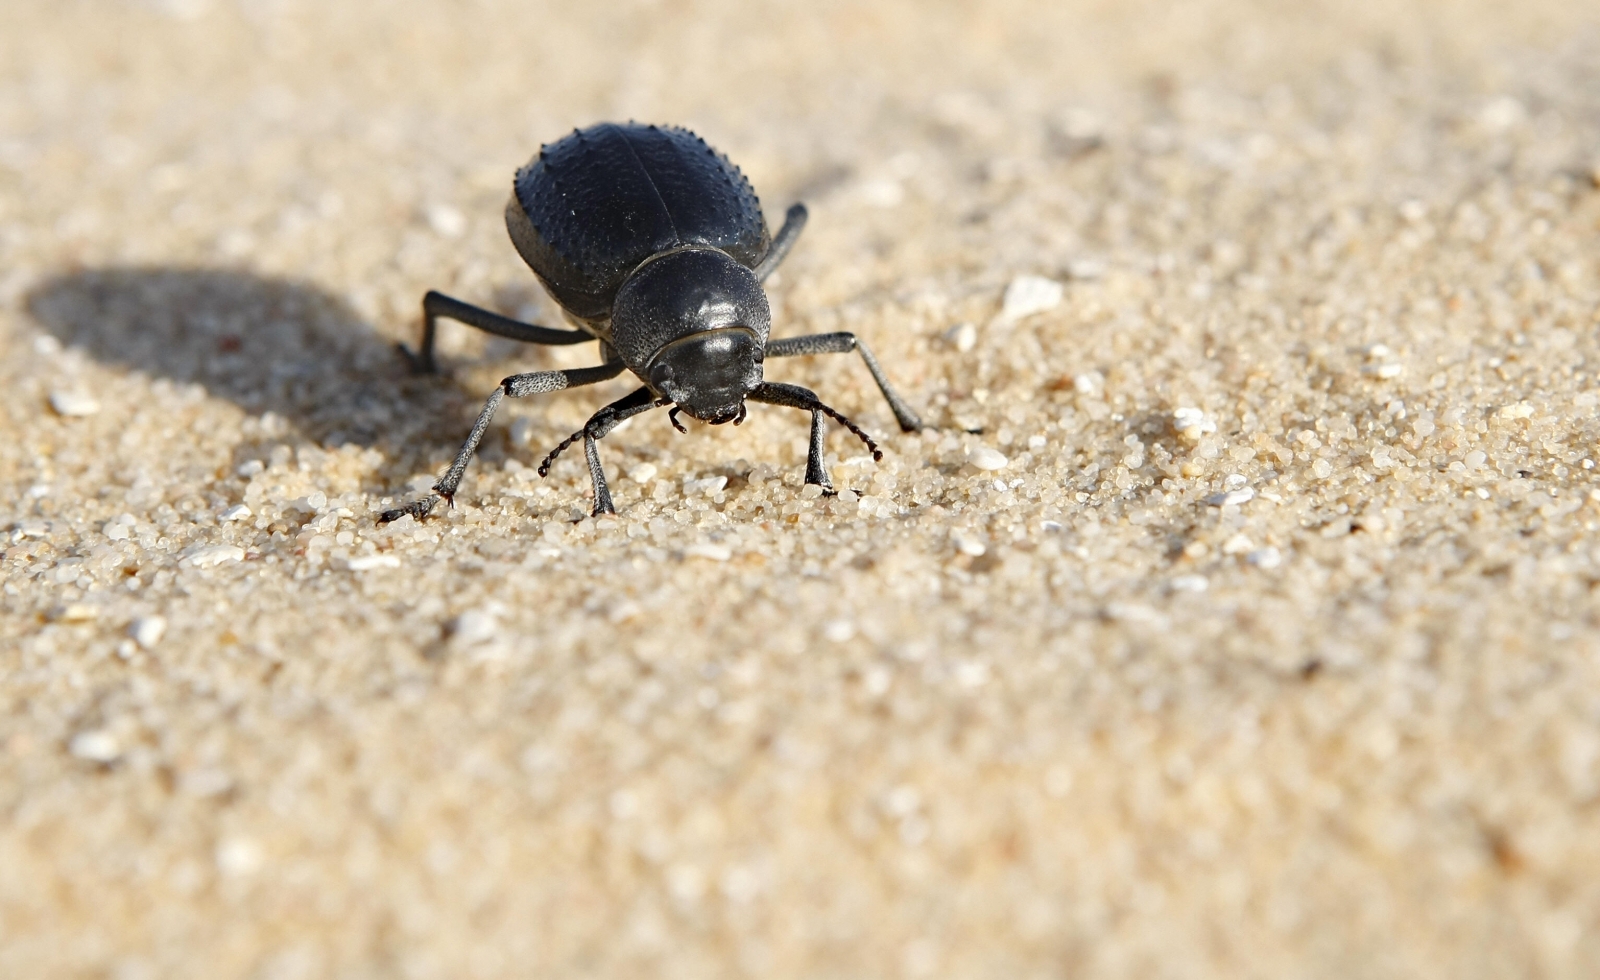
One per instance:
[(1252, 635)]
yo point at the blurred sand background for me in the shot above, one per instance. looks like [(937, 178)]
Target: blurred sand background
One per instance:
[(1268, 650)]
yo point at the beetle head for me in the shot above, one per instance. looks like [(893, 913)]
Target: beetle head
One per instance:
[(708, 374), (693, 323)]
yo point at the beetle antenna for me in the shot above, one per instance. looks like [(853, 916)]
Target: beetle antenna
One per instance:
[(672, 417), (877, 454), (544, 467)]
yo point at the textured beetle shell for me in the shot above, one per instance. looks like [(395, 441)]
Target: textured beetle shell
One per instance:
[(592, 206)]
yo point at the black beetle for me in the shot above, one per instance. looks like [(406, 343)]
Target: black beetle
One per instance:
[(654, 244)]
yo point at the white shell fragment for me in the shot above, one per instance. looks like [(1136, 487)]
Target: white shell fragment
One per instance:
[(1028, 295), (1192, 423), (95, 746), (237, 512), (969, 546), (1231, 497), (147, 631), (447, 221), (985, 458), (362, 563), (709, 486), (73, 404), (211, 555), (707, 550), (963, 337)]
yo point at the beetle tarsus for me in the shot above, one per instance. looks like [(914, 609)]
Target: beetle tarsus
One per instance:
[(418, 509), (419, 362)]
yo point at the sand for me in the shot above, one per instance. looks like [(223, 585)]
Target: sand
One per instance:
[(1235, 618)]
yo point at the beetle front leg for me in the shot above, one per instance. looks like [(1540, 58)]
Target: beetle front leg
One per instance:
[(794, 396), (816, 468), (598, 426), (597, 473)]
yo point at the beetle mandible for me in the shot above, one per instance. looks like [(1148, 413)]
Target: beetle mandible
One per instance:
[(654, 244)]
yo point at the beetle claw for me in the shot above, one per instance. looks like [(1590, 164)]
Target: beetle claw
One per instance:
[(672, 417)]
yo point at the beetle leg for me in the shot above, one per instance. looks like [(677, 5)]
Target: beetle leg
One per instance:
[(598, 426), (436, 304), (816, 468), (793, 223), (597, 473), (843, 343), (794, 396), (516, 386)]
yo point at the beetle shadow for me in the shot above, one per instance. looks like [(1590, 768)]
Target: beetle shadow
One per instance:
[(267, 344)]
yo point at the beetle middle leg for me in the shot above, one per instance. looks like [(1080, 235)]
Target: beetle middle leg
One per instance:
[(437, 304), (516, 386), (843, 343), (794, 396)]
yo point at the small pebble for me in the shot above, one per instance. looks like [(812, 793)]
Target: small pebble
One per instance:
[(810, 492), (988, 459), (238, 856), (1190, 583), (362, 563), (708, 486), (962, 336), (705, 549), (1192, 423), (249, 468), (1086, 268), (969, 546), (237, 512), (521, 432), (147, 631), (447, 221), (1231, 498), (840, 630), (1027, 295), (1268, 557), (95, 746), (212, 555), (76, 612), (642, 472), (73, 404), (1237, 545), (474, 627)]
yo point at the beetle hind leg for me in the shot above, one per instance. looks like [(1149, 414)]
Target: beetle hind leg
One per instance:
[(794, 222), (436, 304)]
